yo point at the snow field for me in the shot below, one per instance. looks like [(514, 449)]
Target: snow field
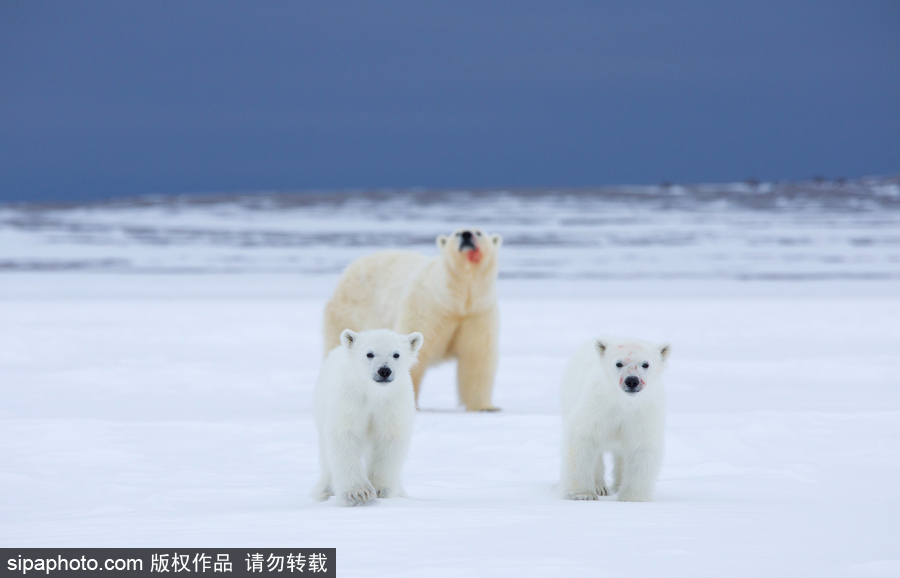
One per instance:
[(167, 410)]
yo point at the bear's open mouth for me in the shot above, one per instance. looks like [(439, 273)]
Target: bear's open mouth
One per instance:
[(468, 246)]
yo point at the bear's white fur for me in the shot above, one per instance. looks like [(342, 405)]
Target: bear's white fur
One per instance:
[(611, 403), (364, 408), (450, 299)]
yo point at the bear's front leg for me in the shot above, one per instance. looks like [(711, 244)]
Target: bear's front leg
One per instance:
[(580, 454), (476, 349), (348, 477), (323, 490), (416, 374), (640, 468), (417, 315), (389, 449), (617, 472), (600, 477)]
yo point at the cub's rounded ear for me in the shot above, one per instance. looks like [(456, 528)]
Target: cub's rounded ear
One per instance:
[(601, 348), (441, 241), (664, 350), (348, 338), (497, 240), (415, 340)]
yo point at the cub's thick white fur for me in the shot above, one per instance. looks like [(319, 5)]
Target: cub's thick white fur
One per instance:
[(612, 401), (450, 299), (364, 408)]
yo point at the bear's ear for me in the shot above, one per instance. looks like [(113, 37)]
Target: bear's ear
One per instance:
[(497, 239), (415, 340), (601, 347), (664, 350), (348, 338), (441, 241)]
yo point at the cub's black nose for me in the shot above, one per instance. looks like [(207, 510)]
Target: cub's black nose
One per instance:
[(631, 382), (384, 372), (467, 235)]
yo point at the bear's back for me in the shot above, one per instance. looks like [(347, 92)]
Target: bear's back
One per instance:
[(368, 293)]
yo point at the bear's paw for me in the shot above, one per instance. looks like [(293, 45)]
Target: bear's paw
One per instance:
[(582, 496), (321, 493), (359, 495), (627, 496), (486, 409)]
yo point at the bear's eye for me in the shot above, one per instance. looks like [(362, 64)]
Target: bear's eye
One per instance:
[(478, 233), (396, 356), (370, 355), (619, 364), (646, 365)]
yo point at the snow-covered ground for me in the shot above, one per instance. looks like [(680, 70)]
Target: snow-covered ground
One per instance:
[(157, 362)]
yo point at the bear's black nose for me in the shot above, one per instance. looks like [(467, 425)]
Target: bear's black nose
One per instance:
[(384, 372), (466, 240), (631, 382)]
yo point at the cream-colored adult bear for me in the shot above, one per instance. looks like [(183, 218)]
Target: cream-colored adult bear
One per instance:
[(450, 299)]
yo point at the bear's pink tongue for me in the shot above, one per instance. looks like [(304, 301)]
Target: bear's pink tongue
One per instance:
[(474, 256)]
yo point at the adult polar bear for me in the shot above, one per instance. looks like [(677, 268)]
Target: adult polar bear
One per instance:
[(450, 299)]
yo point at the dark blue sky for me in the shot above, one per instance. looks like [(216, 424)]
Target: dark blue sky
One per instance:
[(102, 99)]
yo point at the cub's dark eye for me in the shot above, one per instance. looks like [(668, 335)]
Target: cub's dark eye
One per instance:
[(396, 356), (619, 364), (370, 355), (646, 365), (478, 233)]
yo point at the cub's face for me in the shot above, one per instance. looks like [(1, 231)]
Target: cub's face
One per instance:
[(381, 355), (632, 364), (470, 248)]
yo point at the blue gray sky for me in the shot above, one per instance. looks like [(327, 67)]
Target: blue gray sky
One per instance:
[(103, 99)]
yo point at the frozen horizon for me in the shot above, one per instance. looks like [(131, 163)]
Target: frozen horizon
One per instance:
[(738, 231)]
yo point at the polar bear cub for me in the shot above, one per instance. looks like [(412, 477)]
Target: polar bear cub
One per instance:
[(364, 407), (612, 401)]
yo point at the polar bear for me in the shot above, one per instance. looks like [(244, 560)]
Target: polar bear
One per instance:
[(450, 299), (612, 400), (364, 410)]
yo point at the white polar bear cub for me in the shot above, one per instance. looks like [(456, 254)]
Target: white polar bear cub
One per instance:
[(612, 401), (364, 407)]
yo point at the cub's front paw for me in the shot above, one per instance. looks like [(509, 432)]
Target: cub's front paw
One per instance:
[(582, 496), (358, 496), (392, 492), (322, 494), (386, 492), (629, 496), (602, 491)]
